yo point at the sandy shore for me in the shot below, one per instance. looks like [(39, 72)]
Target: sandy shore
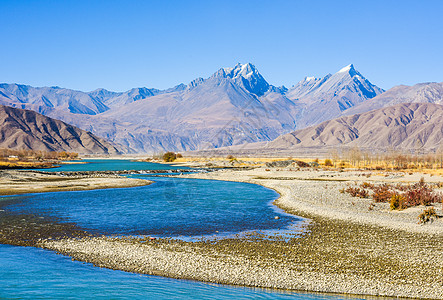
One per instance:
[(24, 182), (347, 249)]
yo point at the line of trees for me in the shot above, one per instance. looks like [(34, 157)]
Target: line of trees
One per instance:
[(36, 155), (391, 159)]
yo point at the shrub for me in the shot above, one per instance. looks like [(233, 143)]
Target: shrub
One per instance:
[(422, 195), (328, 163), (169, 156), (402, 187), (367, 185), (427, 215), (399, 196), (382, 193), (357, 192), (73, 155), (179, 155), (397, 202), (302, 164)]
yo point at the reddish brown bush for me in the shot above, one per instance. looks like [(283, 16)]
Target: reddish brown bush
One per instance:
[(401, 187), (423, 195), (357, 192), (399, 196), (382, 193)]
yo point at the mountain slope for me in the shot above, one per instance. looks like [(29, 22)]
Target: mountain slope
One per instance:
[(328, 97), (420, 93), (403, 126), (25, 129)]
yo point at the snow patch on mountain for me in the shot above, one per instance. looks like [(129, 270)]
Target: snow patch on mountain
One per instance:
[(346, 69), (246, 76)]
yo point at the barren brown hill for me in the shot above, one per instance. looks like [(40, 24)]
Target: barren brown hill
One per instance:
[(404, 126), (25, 129)]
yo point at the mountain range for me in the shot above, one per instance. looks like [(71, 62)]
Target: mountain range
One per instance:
[(233, 106)]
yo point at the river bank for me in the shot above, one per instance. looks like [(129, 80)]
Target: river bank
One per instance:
[(347, 248)]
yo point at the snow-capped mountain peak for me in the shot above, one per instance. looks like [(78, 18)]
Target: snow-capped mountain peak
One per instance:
[(349, 69), (246, 70), (346, 69), (349, 79), (332, 94), (247, 76)]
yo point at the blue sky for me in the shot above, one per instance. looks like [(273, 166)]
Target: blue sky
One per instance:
[(118, 45)]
